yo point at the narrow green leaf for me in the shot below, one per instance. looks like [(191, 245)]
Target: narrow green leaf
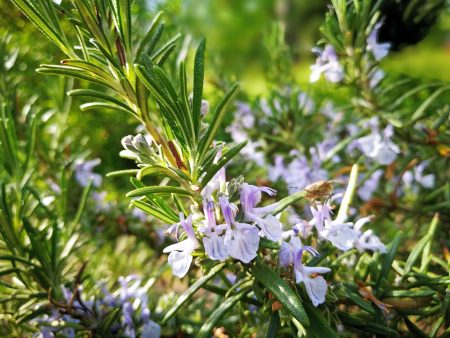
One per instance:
[(151, 210), (226, 157), (100, 95), (149, 35), (213, 319), (348, 195), (131, 172), (199, 73), (421, 110), (105, 105), (365, 325), (274, 325), (389, 257), (427, 250), (191, 291), (415, 254), (281, 290), (159, 190), (319, 327), (82, 204), (216, 121)]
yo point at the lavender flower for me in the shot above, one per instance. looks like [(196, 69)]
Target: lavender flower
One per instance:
[(327, 63), (316, 287), (379, 50), (378, 145), (250, 196), (291, 253), (288, 251), (180, 257), (213, 240), (241, 239), (299, 172), (341, 234)]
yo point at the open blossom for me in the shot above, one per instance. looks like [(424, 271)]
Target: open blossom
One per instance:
[(180, 257), (213, 240), (300, 172), (327, 63), (250, 196), (379, 50), (315, 285), (291, 253), (341, 234), (378, 145), (241, 239)]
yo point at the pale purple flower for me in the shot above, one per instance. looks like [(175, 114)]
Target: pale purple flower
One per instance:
[(291, 253), (100, 202), (426, 181), (343, 235), (379, 50), (213, 239), (370, 185), (180, 257), (241, 239), (327, 63), (288, 250), (367, 240), (378, 145), (253, 153), (340, 234), (320, 213), (245, 115), (84, 173), (299, 173), (250, 196), (316, 287), (301, 228)]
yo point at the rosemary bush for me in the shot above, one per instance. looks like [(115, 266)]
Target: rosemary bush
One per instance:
[(315, 211)]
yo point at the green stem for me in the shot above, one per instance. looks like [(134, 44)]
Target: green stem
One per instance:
[(348, 196), (287, 201)]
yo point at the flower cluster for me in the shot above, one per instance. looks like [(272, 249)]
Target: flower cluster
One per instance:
[(131, 298), (340, 233), (327, 62), (237, 235), (378, 145)]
